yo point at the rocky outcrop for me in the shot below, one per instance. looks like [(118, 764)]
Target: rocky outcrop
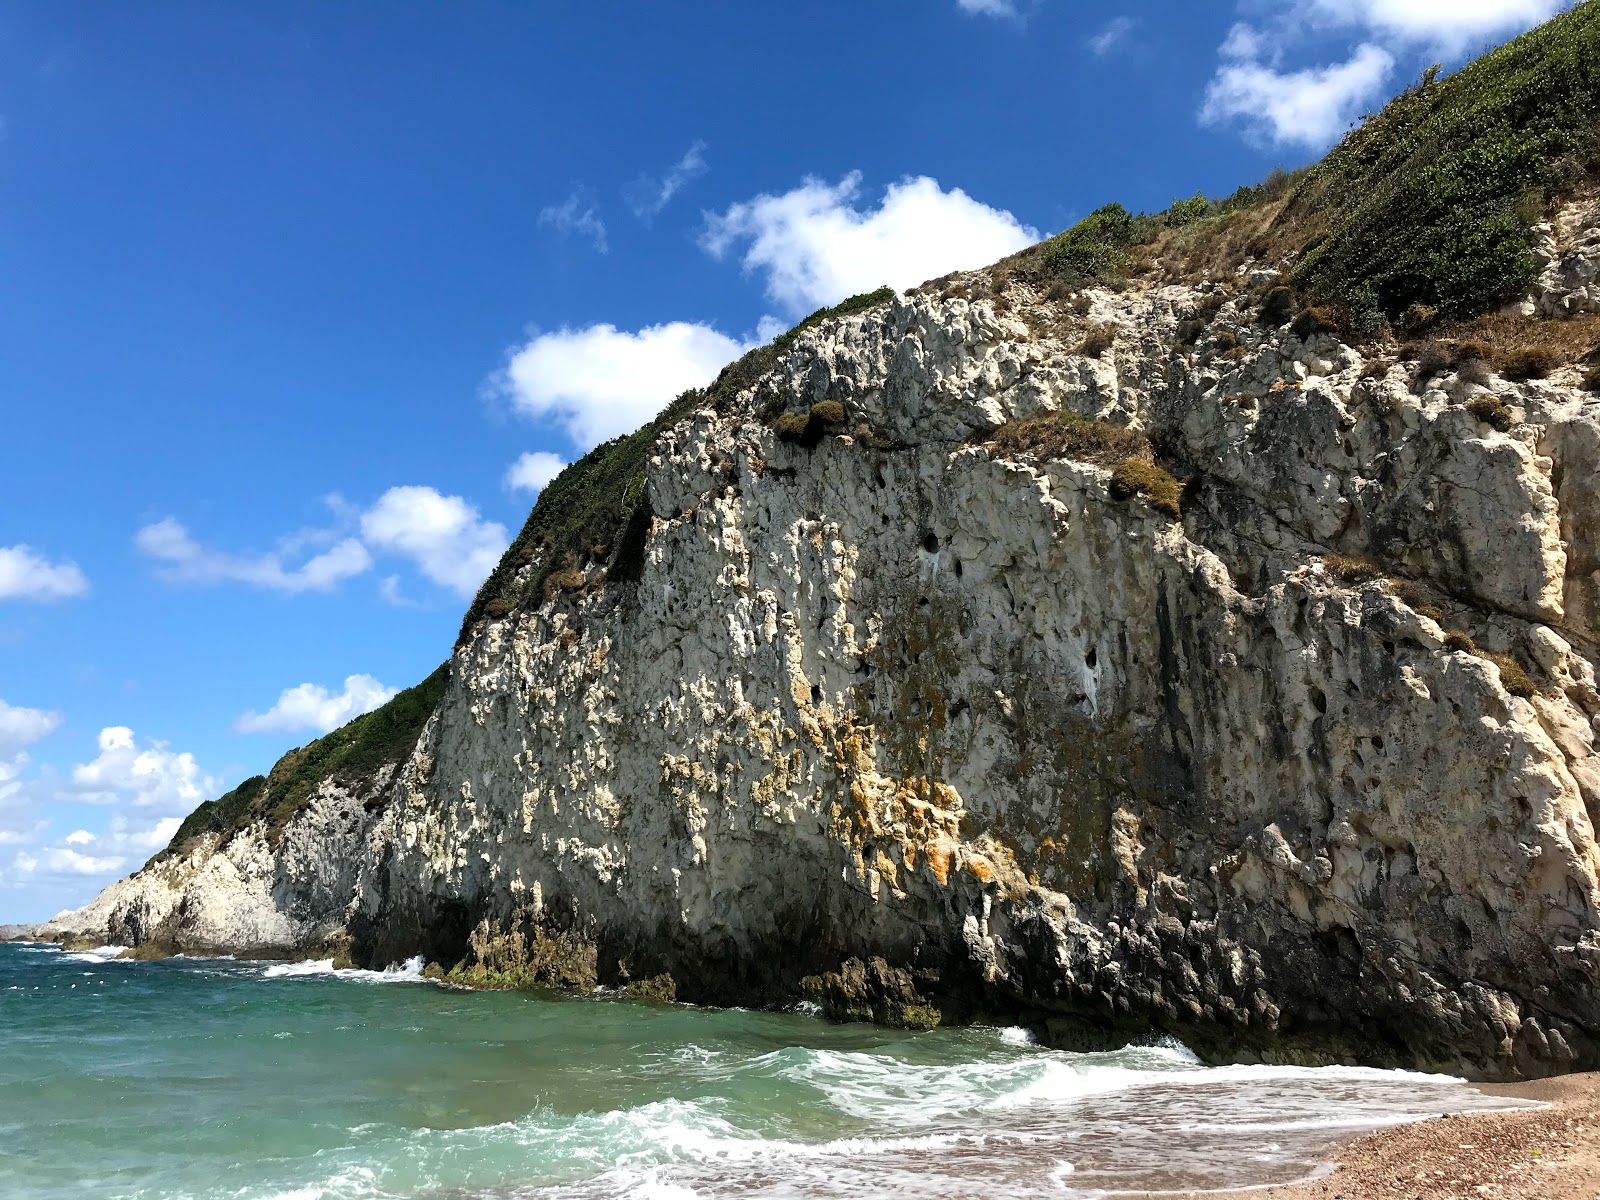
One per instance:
[(927, 729)]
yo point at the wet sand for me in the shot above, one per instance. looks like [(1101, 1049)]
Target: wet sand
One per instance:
[(1536, 1154)]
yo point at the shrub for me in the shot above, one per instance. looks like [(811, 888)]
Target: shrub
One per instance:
[(829, 412), (1314, 321), (1457, 642), (1512, 677), (1532, 362), (1433, 358), (1095, 248), (1068, 436), (1186, 212), (1491, 410), (1427, 202), (1278, 306), (1101, 338), (1418, 317), (1352, 571), (1226, 341), (808, 429), (1139, 476)]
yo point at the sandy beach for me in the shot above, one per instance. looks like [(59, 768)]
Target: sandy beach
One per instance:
[(1548, 1153)]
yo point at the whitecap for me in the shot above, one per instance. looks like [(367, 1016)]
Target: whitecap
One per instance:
[(408, 972), (97, 954)]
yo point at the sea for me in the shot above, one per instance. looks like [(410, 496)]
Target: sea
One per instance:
[(218, 1078)]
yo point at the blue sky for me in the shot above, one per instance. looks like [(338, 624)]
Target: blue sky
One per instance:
[(302, 302)]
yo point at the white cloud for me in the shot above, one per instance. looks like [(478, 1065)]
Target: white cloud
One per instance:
[(21, 727), (1450, 26), (816, 247), (1312, 107), (63, 860), (27, 575), (576, 217), (988, 8), (145, 776), (312, 706), (600, 382), (534, 471), (444, 535), (648, 195), (186, 561), (1109, 38), (80, 837)]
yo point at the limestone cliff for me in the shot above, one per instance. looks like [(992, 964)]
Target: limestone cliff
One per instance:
[(1115, 659)]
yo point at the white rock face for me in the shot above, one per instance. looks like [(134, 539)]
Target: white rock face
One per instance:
[(1050, 754)]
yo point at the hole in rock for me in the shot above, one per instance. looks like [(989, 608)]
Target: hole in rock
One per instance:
[(931, 542), (816, 694), (959, 571), (1091, 659)]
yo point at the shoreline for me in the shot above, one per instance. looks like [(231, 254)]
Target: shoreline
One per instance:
[(1546, 1153)]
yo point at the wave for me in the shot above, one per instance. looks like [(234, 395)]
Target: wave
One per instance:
[(96, 954), (409, 971)]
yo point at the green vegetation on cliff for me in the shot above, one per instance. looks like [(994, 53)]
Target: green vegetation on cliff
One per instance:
[(1429, 201), (354, 751)]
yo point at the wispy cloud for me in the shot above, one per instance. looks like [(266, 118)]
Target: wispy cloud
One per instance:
[(649, 194), (185, 560), (988, 8), (1113, 35), (577, 217)]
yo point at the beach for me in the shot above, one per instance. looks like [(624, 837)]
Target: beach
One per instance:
[(1549, 1153)]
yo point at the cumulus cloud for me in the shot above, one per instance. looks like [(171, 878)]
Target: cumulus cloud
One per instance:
[(444, 535), (312, 706), (25, 574), (648, 195), (144, 775), (576, 217), (1312, 107), (1450, 26), (534, 471), (599, 382), (186, 561), (816, 246), (1113, 35)]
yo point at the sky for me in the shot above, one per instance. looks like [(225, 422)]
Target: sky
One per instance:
[(301, 304)]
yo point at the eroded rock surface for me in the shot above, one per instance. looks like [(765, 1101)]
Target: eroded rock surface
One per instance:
[(934, 728)]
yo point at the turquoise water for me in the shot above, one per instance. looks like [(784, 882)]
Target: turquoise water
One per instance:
[(214, 1078)]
